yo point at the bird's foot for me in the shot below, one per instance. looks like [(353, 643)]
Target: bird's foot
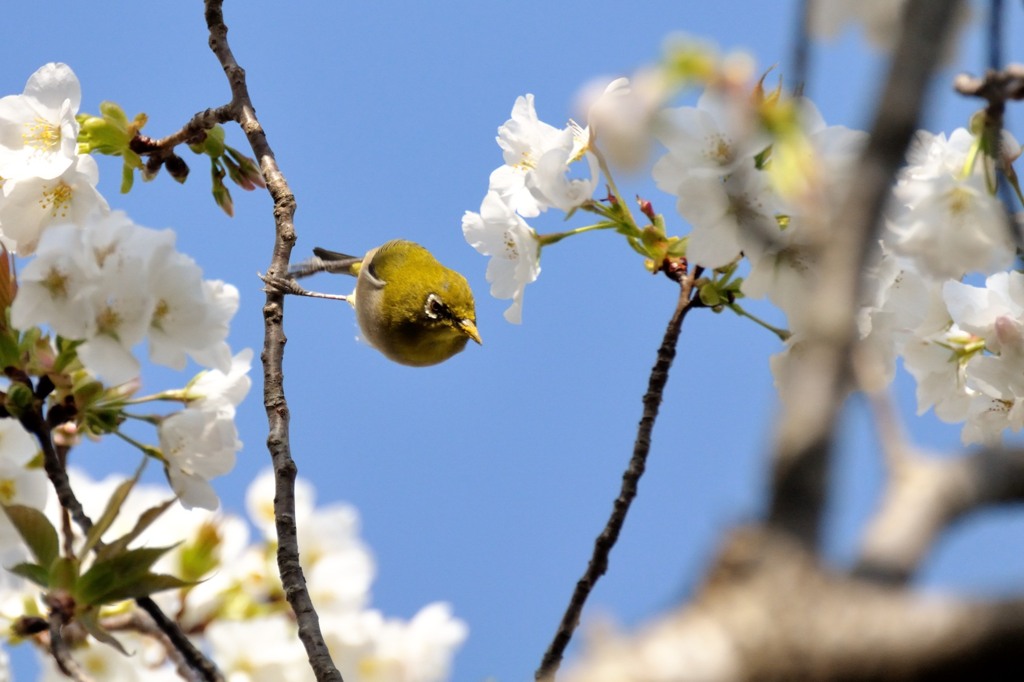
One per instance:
[(287, 285)]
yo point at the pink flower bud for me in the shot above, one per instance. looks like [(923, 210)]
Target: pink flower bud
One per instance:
[(1009, 333)]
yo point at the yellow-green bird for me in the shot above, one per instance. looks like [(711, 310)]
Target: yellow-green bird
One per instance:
[(409, 307)]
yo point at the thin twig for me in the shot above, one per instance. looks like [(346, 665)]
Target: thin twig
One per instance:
[(630, 479), (998, 86), (66, 529), (193, 131), (995, 61), (36, 425), (801, 47), (292, 579), (995, 86), (995, 34), (888, 426), (197, 661)]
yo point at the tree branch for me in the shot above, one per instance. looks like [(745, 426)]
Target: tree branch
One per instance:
[(35, 424), (770, 611), (193, 131), (292, 578), (62, 609), (162, 152), (924, 497), (194, 657), (802, 452), (604, 543)]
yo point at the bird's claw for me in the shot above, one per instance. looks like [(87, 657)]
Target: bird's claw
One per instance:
[(287, 285), (279, 285)]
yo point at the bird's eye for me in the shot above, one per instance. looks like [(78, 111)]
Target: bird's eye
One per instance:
[(434, 308)]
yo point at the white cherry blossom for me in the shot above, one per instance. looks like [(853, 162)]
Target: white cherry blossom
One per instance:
[(499, 232), (524, 139), (38, 130), (29, 205)]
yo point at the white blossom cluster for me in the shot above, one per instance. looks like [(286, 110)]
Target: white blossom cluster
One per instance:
[(237, 613), (761, 193), (961, 339), (534, 178), (45, 180), (200, 442), (98, 278)]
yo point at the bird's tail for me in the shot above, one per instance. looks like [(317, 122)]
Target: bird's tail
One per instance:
[(326, 261)]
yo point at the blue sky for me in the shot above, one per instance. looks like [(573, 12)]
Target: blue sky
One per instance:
[(483, 481)]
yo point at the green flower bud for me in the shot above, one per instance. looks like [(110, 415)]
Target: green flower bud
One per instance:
[(214, 143), (113, 112), (709, 295), (243, 170), (978, 122)]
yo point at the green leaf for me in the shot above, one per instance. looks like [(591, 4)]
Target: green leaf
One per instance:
[(145, 520), (63, 574), (709, 296), (677, 246), (106, 580), (102, 524), (36, 530), (9, 351), (67, 356), (33, 572), (147, 584), (89, 618), (19, 399)]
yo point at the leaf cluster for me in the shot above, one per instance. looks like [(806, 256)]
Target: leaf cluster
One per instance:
[(97, 574)]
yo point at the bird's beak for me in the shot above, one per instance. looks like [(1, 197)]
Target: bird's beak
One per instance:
[(469, 329)]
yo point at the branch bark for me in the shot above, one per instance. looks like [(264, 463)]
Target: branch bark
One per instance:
[(770, 611), (925, 495), (285, 470), (62, 608)]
